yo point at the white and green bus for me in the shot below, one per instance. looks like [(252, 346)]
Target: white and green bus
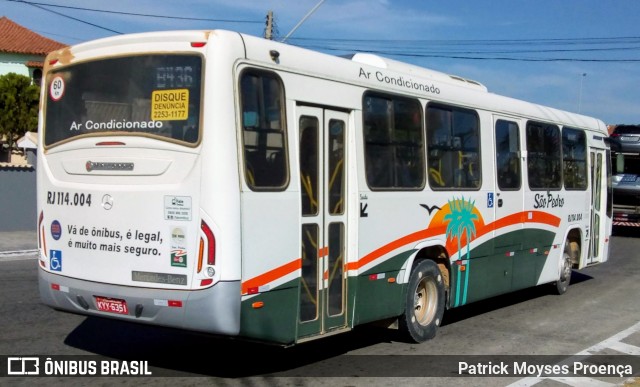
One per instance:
[(218, 182)]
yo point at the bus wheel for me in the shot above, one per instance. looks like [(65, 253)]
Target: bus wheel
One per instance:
[(565, 272), (424, 305)]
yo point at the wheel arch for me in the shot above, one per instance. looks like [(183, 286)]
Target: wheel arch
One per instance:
[(433, 250), (573, 240), (571, 257)]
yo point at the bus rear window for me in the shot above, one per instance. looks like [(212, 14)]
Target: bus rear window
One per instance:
[(150, 95)]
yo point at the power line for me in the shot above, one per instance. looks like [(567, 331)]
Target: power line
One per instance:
[(68, 17), (423, 50), (526, 50), (483, 42), (480, 49), (47, 33), (514, 59), (135, 14)]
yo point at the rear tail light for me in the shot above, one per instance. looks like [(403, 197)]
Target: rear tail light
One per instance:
[(40, 230), (42, 244), (207, 247)]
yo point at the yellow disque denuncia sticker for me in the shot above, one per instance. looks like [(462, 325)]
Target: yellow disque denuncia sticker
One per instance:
[(168, 105)]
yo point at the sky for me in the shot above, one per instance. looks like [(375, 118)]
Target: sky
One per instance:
[(581, 56)]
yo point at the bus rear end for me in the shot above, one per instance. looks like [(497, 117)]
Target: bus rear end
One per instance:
[(121, 228), (626, 189)]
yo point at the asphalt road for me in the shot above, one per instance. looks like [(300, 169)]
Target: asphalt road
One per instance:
[(601, 302)]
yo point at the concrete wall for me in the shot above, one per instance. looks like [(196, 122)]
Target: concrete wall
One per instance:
[(18, 198)]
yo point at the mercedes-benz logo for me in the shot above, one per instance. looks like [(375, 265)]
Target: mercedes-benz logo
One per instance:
[(107, 202)]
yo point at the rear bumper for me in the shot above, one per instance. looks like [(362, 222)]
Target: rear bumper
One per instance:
[(214, 310), (626, 215)]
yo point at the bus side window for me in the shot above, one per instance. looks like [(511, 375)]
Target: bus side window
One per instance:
[(508, 155), (263, 130), (336, 170), (377, 159), (309, 164), (394, 142), (453, 147), (543, 161), (574, 158)]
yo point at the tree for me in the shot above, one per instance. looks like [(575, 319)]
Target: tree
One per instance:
[(18, 106)]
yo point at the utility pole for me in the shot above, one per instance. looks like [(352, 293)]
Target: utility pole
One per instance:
[(268, 30)]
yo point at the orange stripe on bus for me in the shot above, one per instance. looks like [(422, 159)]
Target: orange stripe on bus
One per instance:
[(271, 275), (323, 252), (521, 217), (389, 247), (541, 217), (509, 220)]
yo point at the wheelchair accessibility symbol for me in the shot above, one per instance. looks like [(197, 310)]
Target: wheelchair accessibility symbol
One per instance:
[(55, 260)]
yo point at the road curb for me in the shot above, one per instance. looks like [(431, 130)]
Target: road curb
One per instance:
[(17, 253)]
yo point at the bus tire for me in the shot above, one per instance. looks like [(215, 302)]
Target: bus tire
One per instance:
[(424, 304), (562, 284)]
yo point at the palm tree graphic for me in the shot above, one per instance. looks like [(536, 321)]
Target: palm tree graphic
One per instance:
[(461, 220)]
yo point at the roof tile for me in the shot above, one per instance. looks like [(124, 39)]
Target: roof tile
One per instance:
[(17, 39)]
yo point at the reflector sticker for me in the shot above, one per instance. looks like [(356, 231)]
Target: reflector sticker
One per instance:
[(60, 288), (171, 303)]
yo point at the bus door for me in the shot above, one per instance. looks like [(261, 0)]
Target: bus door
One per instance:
[(598, 206), (509, 201), (322, 158)]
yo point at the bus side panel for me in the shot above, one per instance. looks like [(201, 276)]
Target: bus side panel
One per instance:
[(528, 264), (270, 264), (484, 275), (505, 272), (271, 315), (379, 294)]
